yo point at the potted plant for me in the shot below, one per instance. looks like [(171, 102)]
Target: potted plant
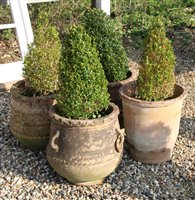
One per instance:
[(33, 96), (112, 55), (85, 141), (152, 106)]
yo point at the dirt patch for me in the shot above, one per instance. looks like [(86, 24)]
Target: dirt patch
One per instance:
[(9, 51)]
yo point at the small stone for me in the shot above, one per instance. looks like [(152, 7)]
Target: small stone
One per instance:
[(193, 127), (8, 178)]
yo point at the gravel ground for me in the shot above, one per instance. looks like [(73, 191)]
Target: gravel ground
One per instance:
[(25, 174)]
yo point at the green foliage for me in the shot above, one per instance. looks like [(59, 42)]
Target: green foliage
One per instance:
[(42, 61), (156, 80), (7, 34), (188, 3), (61, 13), (83, 85), (137, 15), (5, 14), (5, 18), (108, 42)]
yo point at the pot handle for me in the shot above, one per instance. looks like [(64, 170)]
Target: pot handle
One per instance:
[(119, 141), (55, 146)]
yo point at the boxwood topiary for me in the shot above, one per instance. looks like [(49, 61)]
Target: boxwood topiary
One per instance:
[(108, 42), (42, 60), (83, 85), (156, 80)]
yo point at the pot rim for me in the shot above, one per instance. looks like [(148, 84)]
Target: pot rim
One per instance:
[(179, 95), (134, 74), (85, 122), (16, 94)]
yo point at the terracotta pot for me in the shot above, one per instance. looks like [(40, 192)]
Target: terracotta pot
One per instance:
[(30, 121), (113, 89), (151, 127), (85, 151)]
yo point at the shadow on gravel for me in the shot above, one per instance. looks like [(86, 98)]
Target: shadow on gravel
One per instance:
[(174, 179), (184, 47), (168, 180), (23, 162), (187, 128)]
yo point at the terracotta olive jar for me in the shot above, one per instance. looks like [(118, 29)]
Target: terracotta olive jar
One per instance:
[(30, 121), (113, 89), (151, 126), (85, 151), (33, 97)]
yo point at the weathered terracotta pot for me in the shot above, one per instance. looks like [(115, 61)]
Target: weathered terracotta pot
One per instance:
[(113, 89), (151, 127), (30, 121), (85, 151)]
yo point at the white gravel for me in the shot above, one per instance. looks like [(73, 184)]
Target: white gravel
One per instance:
[(25, 174)]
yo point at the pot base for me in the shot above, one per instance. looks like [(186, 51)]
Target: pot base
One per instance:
[(97, 182), (151, 157), (33, 143)]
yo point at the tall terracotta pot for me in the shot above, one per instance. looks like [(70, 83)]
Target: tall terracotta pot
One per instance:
[(85, 151), (30, 121), (151, 127), (113, 89)]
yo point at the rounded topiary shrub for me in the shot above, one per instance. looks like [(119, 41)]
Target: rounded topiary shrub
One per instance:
[(156, 80), (83, 85), (108, 43), (42, 60)]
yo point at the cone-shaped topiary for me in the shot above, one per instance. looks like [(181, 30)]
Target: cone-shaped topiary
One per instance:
[(108, 42), (42, 60), (156, 80), (83, 85)]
